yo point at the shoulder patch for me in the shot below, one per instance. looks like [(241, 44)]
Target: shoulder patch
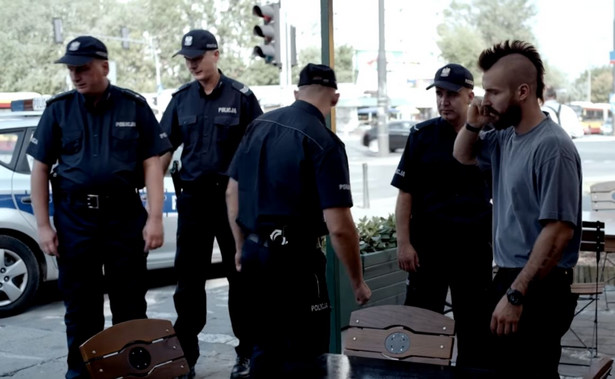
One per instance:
[(61, 96), (242, 88), (182, 88), (132, 94)]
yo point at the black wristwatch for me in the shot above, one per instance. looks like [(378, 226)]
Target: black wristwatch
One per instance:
[(473, 129), (514, 297)]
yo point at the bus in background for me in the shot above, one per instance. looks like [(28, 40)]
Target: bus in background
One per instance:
[(592, 115)]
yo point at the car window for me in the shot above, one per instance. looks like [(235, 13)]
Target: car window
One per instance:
[(406, 125), (9, 143)]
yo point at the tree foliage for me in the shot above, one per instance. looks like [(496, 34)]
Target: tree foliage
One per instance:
[(599, 80), (27, 51), (470, 27)]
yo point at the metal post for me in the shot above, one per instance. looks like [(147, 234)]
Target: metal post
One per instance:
[(154, 48), (383, 135), (283, 43), (333, 264), (365, 187)]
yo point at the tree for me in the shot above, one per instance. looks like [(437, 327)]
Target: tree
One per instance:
[(468, 28), (600, 87), (155, 28)]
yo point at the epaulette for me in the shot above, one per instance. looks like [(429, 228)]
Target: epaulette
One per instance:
[(416, 127), (244, 89), (133, 95), (60, 96), (182, 88)]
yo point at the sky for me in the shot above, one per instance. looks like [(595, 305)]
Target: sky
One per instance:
[(572, 35)]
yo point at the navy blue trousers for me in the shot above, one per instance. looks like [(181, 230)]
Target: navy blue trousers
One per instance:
[(202, 216), (91, 240)]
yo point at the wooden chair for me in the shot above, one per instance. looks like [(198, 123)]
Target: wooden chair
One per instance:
[(600, 368), (400, 332), (144, 348), (603, 199), (592, 240), (602, 196)]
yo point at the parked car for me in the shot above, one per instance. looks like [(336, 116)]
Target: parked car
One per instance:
[(398, 134), (23, 266), (607, 127)]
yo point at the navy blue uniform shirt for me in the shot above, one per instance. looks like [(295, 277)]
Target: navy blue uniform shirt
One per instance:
[(210, 126), (290, 167), (98, 149), (443, 190)]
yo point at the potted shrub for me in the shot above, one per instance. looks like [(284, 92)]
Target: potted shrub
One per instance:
[(378, 246)]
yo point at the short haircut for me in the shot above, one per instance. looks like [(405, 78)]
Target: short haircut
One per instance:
[(490, 56)]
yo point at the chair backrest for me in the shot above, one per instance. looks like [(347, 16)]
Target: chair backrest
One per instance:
[(145, 348), (592, 241), (600, 368), (592, 237), (400, 332), (602, 196)]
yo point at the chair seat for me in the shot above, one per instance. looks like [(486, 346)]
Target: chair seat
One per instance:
[(144, 348), (400, 332), (587, 288)]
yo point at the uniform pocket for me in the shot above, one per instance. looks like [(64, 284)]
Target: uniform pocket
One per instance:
[(228, 135), (71, 142), (124, 143), (189, 130)]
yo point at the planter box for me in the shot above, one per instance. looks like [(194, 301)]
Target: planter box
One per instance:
[(383, 276)]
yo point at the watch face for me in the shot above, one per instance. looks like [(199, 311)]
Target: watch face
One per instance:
[(514, 297)]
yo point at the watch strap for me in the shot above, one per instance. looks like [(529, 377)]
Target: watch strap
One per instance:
[(473, 129)]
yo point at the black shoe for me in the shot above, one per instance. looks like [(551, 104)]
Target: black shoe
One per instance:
[(189, 375), (241, 368)]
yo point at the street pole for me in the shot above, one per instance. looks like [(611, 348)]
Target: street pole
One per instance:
[(383, 135), (284, 51), (154, 48)]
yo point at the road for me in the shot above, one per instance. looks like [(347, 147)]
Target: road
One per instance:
[(597, 156)]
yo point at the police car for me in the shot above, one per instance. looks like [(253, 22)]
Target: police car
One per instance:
[(23, 266)]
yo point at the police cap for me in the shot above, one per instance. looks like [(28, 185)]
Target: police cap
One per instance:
[(82, 50)]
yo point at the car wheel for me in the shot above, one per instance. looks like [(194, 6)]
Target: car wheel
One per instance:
[(19, 276)]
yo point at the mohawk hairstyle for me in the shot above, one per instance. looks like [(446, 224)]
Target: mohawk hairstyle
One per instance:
[(490, 56)]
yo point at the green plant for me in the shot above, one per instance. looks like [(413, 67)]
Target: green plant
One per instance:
[(377, 233)]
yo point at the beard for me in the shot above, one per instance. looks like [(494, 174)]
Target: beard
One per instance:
[(510, 117)]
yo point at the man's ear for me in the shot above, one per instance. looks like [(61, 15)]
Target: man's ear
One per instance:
[(105, 66), (334, 99)]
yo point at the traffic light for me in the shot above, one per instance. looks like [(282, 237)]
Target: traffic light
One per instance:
[(270, 31)]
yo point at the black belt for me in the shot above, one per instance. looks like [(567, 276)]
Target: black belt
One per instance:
[(277, 239), (205, 182), (98, 201)]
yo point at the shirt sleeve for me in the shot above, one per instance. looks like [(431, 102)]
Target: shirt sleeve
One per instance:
[(169, 124), (402, 177), (43, 146), (333, 178), (153, 141)]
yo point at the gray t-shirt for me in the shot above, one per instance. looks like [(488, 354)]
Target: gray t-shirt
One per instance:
[(536, 177)]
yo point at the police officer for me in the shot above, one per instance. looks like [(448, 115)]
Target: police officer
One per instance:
[(439, 196), (103, 143), (288, 171), (208, 116)]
